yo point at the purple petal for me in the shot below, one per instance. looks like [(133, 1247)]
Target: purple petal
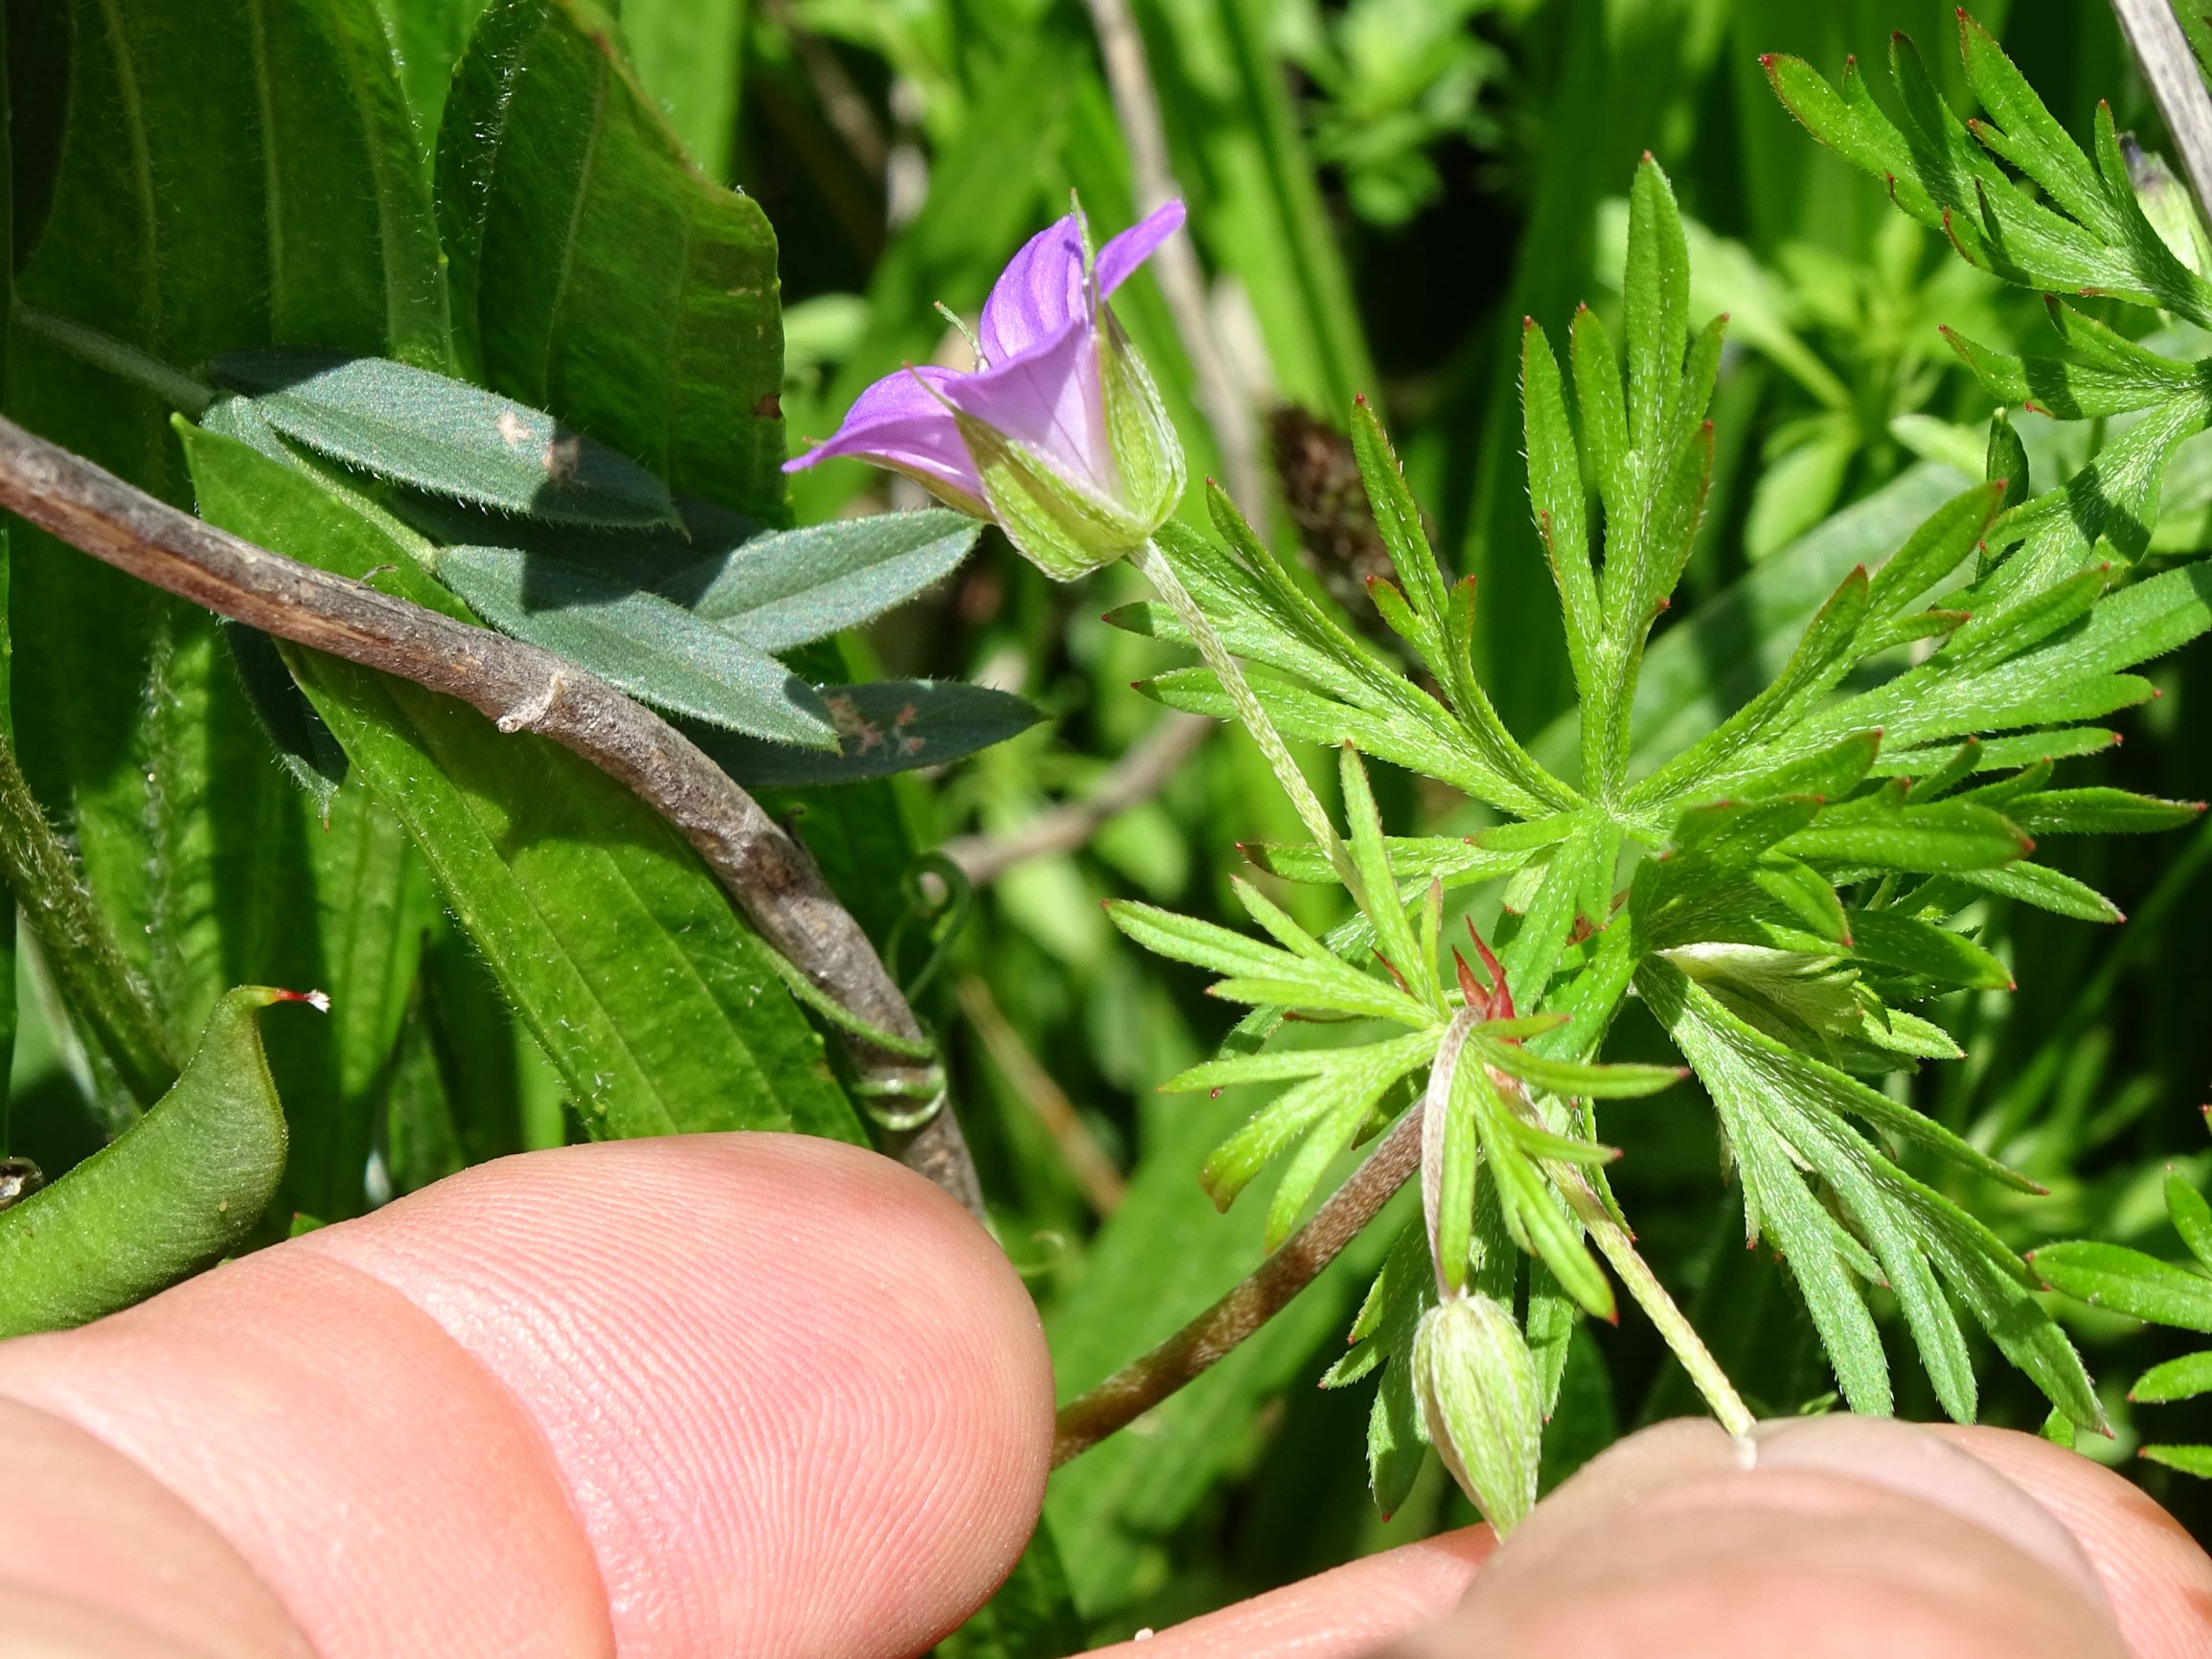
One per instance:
[(1040, 289), (1118, 261), (900, 422), (1048, 398)]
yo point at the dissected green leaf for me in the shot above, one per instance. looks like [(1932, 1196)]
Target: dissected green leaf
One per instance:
[(2127, 1281)]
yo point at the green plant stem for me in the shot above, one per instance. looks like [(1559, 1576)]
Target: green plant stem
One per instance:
[(1668, 1319), (100, 987), (1156, 570)]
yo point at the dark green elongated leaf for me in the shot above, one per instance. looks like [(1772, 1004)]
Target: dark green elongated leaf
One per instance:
[(428, 36), (652, 648), (444, 435), (689, 57), (229, 176), (2127, 1281), (616, 949), (2183, 1379), (596, 272), (175, 1193), (1942, 835), (2098, 812), (2045, 888), (2191, 1216), (1911, 946), (789, 587), (885, 727), (303, 744), (1604, 409)]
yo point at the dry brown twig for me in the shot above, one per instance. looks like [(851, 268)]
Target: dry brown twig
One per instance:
[(522, 688), (2171, 69)]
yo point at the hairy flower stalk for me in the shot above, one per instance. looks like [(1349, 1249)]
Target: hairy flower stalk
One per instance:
[(1058, 435)]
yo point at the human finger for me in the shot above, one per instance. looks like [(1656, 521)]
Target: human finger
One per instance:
[(1837, 1537), (712, 1394)]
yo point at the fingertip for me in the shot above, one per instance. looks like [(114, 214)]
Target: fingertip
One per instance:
[(2156, 1577), (1339, 1614), (800, 1400)]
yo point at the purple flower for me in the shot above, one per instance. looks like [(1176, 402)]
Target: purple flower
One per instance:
[(1058, 434)]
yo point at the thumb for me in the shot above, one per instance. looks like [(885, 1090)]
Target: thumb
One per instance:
[(1820, 1538)]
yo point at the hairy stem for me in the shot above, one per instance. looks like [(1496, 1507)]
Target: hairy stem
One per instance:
[(1156, 569), (522, 688), (1667, 1318), (1143, 1383)]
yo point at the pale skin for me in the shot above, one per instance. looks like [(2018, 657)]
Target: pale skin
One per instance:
[(773, 1397)]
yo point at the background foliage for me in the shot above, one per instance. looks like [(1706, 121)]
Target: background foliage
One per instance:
[(1381, 191)]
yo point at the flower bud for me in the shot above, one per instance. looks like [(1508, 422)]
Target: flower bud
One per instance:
[(1476, 1382)]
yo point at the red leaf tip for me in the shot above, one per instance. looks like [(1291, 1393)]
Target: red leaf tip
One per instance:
[(318, 1000)]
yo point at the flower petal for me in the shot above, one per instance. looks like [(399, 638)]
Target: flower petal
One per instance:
[(1118, 261), (902, 422), (1037, 294), (1048, 400)]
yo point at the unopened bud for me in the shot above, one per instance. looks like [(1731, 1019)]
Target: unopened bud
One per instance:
[(1476, 1382), (2167, 204)]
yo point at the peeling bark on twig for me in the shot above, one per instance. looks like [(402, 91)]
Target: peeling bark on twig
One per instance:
[(1142, 1384), (523, 689)]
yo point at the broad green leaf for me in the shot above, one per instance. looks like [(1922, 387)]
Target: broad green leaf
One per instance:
[(651, 648), (689, 58), (2127, 1281), (2183, 1379), (175, 1193), (229, 177), (444, 435), (596, 272), (789, 587), (885, 727), (617, 949)]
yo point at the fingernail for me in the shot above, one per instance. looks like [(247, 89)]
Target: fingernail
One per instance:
[(1899, 1458)]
